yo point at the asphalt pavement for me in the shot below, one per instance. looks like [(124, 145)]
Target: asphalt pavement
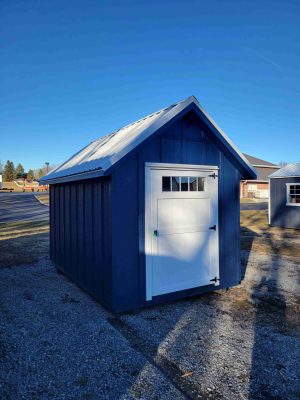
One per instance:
[(262, 205), (21, 206)]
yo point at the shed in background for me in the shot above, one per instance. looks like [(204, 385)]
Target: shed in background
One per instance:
[(150, 212), (284, 203)]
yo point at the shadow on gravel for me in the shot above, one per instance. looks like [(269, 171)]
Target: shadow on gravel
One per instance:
[(273, 374), (23, 242)]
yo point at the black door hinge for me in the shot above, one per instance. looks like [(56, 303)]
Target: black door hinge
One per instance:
[(214, 227), (215, 279), (213, 175)]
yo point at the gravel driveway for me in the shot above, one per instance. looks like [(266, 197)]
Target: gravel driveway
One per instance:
[(57, 343)]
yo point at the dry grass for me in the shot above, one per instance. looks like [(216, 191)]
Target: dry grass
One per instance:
[(11, 185), (23, 242), (258, 236), (44, 198)]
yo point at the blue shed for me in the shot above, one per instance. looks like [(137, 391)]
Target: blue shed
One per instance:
[(150, 212), (284, 202)]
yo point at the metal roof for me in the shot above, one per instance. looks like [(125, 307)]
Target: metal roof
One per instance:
[(97, 157), (290, 170)]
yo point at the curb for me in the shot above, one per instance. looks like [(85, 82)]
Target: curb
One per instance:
[(40, 201)]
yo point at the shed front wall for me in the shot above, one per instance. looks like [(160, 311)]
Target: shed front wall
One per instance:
[(188, 141), (281, 214), (80, 234)]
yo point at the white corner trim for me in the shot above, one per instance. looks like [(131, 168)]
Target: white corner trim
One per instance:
[(269, 202)]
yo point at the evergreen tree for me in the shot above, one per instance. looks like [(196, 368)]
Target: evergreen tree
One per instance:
[(30, 174), (41, 173), (19, 170), (9, 171)]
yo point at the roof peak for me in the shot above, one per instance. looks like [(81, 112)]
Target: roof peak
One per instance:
[(101, 154)]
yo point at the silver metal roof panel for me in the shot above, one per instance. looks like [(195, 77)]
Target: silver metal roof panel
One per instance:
[(103, 153), (290, 170)]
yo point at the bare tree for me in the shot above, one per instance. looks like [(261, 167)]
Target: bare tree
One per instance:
[(282, 164)]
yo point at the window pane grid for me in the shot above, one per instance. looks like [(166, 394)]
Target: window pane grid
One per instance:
[(182, 184), (294, 194)]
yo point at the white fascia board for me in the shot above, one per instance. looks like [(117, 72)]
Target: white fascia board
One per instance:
[(76, 177), (265, 166)]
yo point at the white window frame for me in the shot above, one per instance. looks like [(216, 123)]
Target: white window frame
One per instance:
[(288, 185), (252, 187)]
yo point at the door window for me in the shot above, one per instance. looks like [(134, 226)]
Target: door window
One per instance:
[(183, 184)]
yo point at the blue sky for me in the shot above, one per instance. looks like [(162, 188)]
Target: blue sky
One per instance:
[(72, 71)]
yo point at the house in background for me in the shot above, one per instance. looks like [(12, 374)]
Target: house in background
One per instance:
[(258, 188), (284, 204)]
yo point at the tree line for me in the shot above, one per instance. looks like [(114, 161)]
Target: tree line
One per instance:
[(10, 172)]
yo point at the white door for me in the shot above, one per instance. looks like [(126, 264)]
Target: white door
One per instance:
[(182, 245)]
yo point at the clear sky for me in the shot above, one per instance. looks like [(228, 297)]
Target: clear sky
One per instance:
[(72, 71)]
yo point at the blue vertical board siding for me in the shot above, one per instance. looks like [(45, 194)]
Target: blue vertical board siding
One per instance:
[(67, 236), (88, 235), (73, 232), (229, 223), (81, 234), (171, 150), (125, 235), (52, 220), (107, 241), (97, 240), (283, 215)]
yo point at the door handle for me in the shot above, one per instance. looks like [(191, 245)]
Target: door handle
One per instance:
[(155, 233), (214, 227)]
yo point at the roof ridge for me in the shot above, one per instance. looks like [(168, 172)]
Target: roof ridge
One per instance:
[(106, 151)]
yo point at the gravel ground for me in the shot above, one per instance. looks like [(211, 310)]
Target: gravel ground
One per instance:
[(57, 343)]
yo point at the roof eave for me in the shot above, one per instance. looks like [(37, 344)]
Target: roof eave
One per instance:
[(71, 178)]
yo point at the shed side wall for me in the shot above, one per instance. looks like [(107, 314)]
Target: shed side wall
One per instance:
[(80, 237), (188, 141), (281, 214)]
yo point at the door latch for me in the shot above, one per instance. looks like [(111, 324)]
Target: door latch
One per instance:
[(155, 233), (214, 227), (213, 175), (215, 279)]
